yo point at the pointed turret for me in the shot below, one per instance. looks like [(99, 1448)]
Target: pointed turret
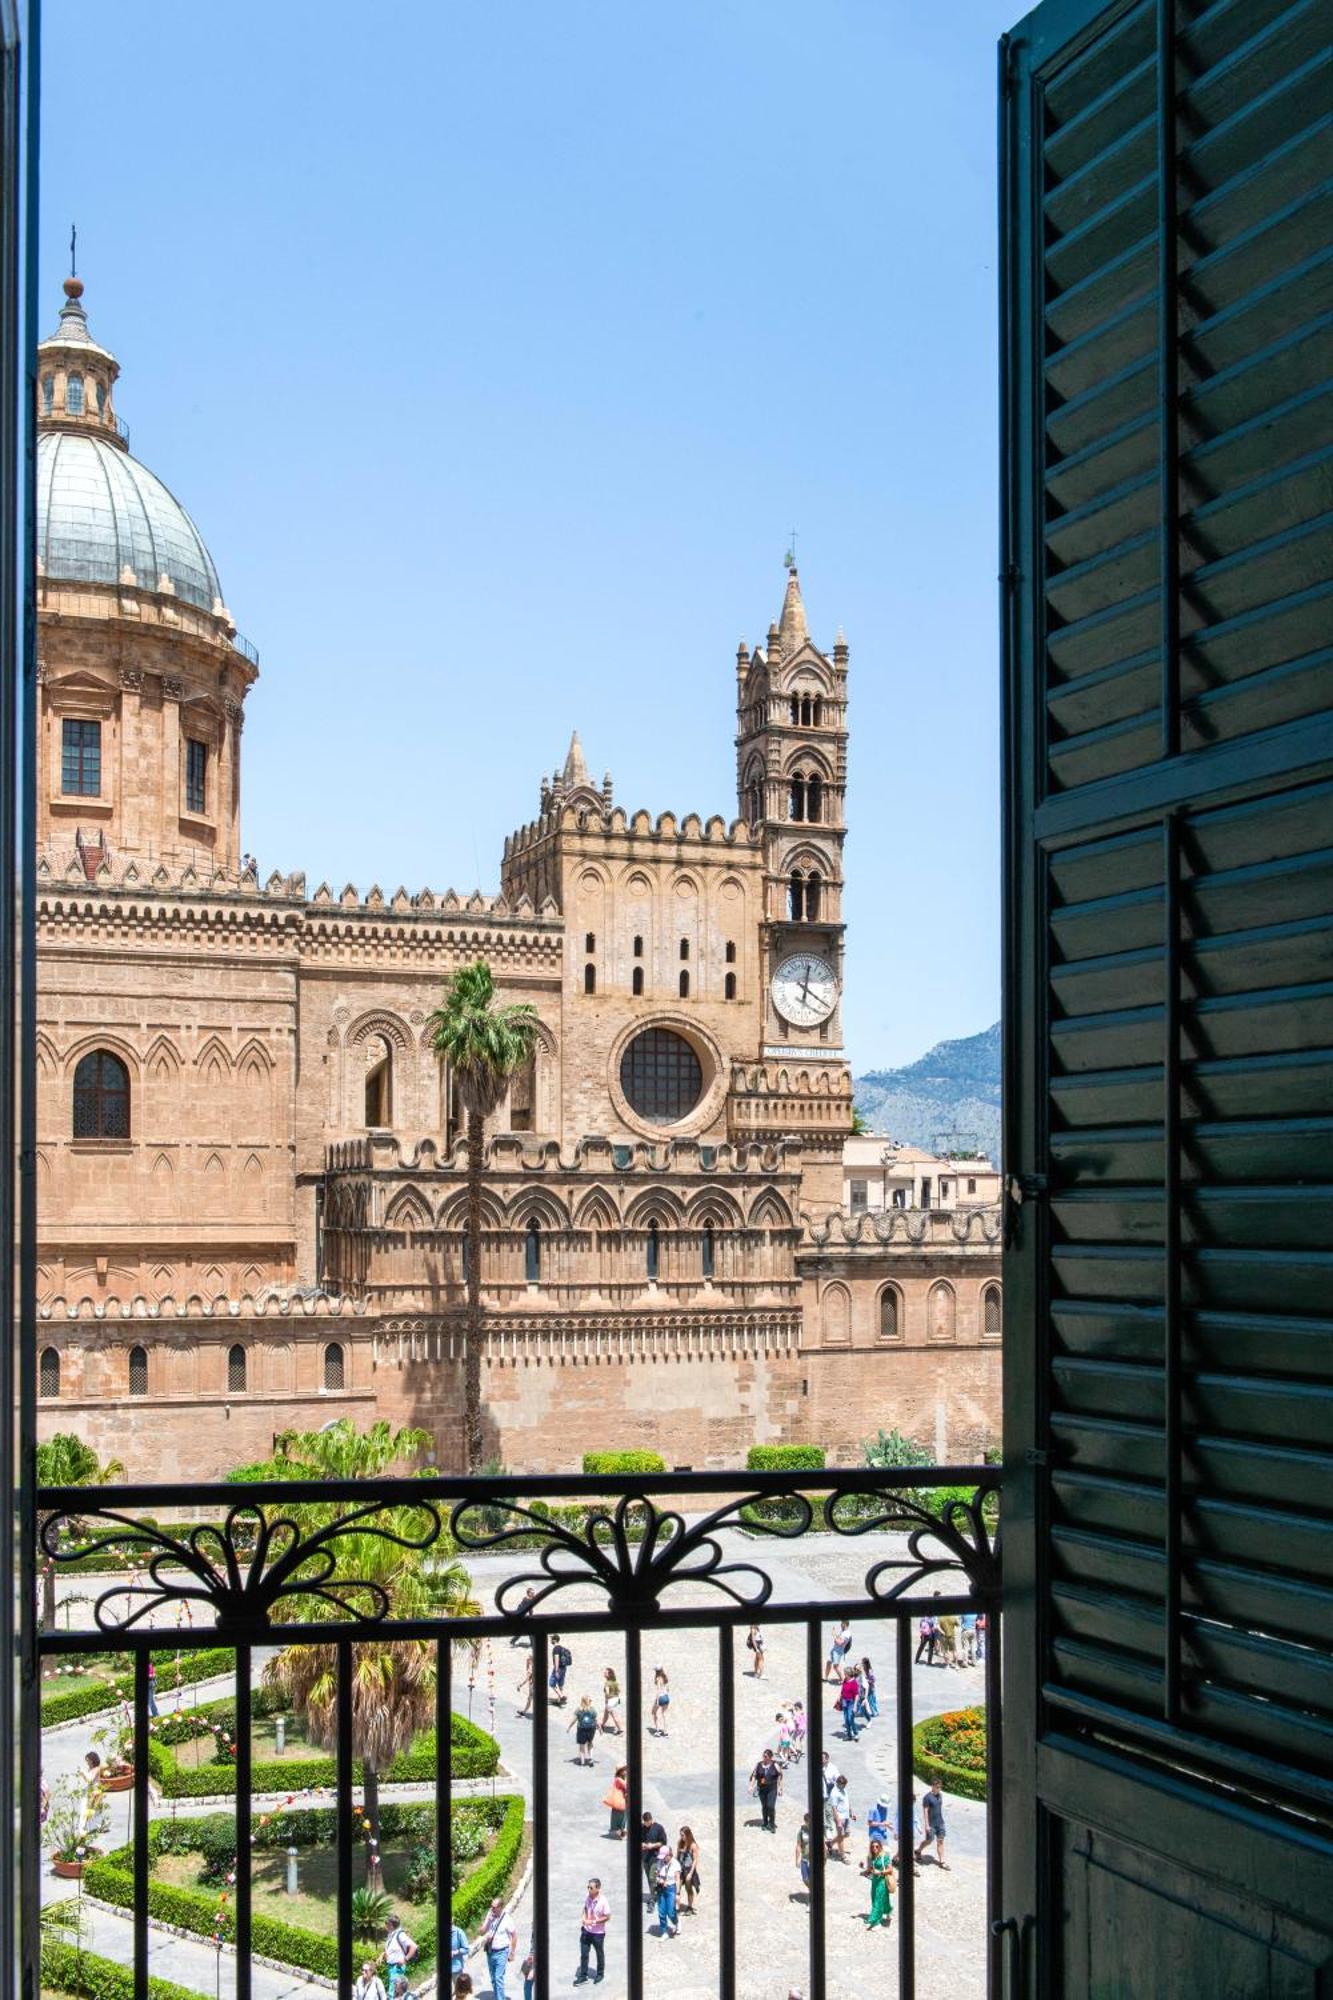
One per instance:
[(576, 764), (792, 628)]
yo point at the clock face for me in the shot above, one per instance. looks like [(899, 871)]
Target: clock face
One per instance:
[(805, 989)]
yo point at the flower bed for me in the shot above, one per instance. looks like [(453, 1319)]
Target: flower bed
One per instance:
[(203, 1912), (68, 1704), (473, 1754), (952, 1748)]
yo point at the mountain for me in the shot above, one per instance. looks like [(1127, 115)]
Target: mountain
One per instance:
[(949, 1097)]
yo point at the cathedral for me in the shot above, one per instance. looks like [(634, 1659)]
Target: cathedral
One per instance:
[(250, 1161)]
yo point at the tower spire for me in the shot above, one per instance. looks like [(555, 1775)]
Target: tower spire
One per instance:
[(792, 628)]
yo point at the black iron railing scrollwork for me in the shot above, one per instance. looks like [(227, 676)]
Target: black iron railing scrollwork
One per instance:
[(277, 1564)]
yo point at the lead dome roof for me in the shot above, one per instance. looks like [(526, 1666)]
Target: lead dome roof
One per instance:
[(100, 514)]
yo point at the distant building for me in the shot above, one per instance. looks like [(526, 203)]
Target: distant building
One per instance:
[(251, 1174), (881, 1173)]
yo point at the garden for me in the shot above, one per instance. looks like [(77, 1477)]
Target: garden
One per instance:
[(952, 1748)]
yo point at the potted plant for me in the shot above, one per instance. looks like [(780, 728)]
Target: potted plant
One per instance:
[(116, 1743), (75, 1824)]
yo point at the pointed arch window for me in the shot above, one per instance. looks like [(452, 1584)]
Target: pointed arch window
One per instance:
[(814, 798), (992, 1321), (796, 711), (890, 1322), (709, 1249), (532, 1253), (335, 1374), (138, 1371), (48, 1373), (796, 896), (796, 798), (236, 1370), (101, 1097), (379, 1082), (813, 885), (654, 1250)]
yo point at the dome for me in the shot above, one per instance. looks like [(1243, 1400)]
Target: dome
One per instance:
[(100, 514)]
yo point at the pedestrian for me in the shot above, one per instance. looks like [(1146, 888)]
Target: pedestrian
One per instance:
[(882, 1883), (592, 1932), (928, 1633), (652, 1837), (766, 1782), (399, 1952), (848, 1696), (877, 1820), (615, 1799), (897, 1855), (584, 1724), (827, 1774), (798, 1729), (497, 1941), (561, 1662), (981, 1637), (839, 1647), (869, 1697), (529, 1599), (754, 1639), (661, 1702), (152, 1685), (525, 1687), (529, 1965), (967, 1639), (687, 1854), (949, 1638), (458, 1949), (463, 1987), (932, 1812), (369, 1985), (803, 1850), (611, 1704), (668, 1883), (783, 1722), (842, 1817)]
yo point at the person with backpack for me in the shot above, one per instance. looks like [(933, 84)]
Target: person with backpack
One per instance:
[(928, 1633), (561, 1662), (399, 1952), (754, 1640), (584, 1724)]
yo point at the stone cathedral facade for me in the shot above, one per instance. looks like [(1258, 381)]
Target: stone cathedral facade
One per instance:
[(250, 1166)]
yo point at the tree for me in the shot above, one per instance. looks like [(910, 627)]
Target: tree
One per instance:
[(484, 1045), (393, 1680), (65, 1460)]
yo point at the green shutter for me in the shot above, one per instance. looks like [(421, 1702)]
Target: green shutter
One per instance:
[(1169, 686)]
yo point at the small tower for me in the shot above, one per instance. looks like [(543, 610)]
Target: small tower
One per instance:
[(791, 768)]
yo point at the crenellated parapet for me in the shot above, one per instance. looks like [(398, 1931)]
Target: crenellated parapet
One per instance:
[(517, 1153)]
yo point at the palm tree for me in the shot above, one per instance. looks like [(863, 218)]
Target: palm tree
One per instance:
[(65, 1460), (484, 1045)]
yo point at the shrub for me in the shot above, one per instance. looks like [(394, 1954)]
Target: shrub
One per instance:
[(67, 1968), (890, 1450), (785, 1458), (610, 1462), (68, 1704), (473, 1754), (952, 1748), (371, 1910)]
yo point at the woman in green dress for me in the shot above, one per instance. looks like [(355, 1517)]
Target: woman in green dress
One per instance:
[(880, 1871)]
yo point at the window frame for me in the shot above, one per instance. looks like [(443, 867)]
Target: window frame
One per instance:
[(81, 759), (94, 1097)]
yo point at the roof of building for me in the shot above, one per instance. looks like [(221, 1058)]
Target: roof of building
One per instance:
[(104, 518)]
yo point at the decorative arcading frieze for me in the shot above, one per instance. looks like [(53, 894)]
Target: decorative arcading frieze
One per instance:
[(196, 1307), (908, 1228), (639, 825), (589, 1338), (514, 1153)]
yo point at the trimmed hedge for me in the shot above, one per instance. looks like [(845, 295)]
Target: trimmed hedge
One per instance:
[(473, 1754), (930, 1743), (196, 1910), (610, 1462), (785, 1458), (71, 1970), (68, 1704)]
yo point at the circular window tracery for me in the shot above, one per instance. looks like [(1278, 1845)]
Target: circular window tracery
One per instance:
[(661, 1076)]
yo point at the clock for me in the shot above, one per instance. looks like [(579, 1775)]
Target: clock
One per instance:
[(805, 989)]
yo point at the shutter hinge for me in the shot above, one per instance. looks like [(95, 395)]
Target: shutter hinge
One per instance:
[(1021, 1185), (1035, 1456)]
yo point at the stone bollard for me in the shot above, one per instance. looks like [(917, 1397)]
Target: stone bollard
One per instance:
[(293, 1885), (280, 1734)]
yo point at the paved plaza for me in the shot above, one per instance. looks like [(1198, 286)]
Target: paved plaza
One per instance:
[(680, 1787)]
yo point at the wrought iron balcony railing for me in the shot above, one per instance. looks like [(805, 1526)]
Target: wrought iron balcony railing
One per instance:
[(298, 1563)]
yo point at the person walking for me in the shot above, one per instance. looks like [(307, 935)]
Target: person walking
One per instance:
[(463, 1987), (652, 1838), (497, 1941), (661, 1702), (839, 1647), (766, 1783), (798, 1729), (981, 1637), (529, 1599), (948, 1624), (584, 1724), (803, 1851), (561, 1662), (849, 1695), (152, 1685), (368, 1985), (615, 1800), (529, 1965), (611, 1724), (754, 1639), (928, 1633), (842, 1816), (592, 1933), (524, 1687), (687, 1854), (399, 1952), (967, 1639), (668, 1883), (882, 1883), (932, 1812), (458, 1949)]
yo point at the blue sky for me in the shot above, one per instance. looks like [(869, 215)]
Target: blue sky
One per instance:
[(497, 349)]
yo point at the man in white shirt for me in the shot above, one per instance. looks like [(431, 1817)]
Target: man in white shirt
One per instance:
[(399, 1951), (497, 1939)]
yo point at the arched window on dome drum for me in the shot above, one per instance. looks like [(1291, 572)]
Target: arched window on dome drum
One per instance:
[(684, 985), (236, 1370), (590, 978), (532, 1253), (992, 1320), (48, 1373), (138, 1371), (334, 1373), (101, 398), (654, 1249), (709, 1260), (638, 979), (48, 394), (74, 395), (101, 1097)]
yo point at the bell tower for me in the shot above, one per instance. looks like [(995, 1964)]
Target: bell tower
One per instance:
[(791, 767)]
